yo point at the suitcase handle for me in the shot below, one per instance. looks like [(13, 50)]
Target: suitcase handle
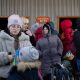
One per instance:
[(57, 65)]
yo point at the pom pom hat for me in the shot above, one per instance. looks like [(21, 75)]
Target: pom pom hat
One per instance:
[(14, 20)]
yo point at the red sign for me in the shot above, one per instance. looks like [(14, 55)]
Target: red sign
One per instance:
[(43, 19)]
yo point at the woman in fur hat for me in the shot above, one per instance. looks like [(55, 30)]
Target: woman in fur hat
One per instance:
[(9, 43), (50, 47)]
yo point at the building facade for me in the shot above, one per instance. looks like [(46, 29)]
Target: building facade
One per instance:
[(34, 8)]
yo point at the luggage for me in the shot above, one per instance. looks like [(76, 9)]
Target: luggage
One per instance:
[(59, 72)]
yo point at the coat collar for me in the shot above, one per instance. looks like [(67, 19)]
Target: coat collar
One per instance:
[(29, 65), (6, 36)]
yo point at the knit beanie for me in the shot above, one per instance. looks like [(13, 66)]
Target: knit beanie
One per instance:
[(14, 19), (28, 54)]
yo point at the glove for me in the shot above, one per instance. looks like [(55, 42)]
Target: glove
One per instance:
[(3, 58), (10, 58)]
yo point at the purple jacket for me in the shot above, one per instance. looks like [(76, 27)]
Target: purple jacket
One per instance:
[(50, 49)]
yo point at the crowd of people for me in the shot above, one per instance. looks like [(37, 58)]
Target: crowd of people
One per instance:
[(27, 53)]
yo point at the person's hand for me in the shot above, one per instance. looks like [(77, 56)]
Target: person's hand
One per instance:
[(29, 32), (10, 58)]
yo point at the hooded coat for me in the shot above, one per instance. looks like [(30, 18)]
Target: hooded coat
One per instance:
[(50, 48), (7, 45)]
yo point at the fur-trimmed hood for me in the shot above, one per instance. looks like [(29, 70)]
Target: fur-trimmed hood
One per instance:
[(23, 66), (6, 36)]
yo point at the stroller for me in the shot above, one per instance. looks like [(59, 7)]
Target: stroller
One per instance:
[(59, 72), (23, 68)]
